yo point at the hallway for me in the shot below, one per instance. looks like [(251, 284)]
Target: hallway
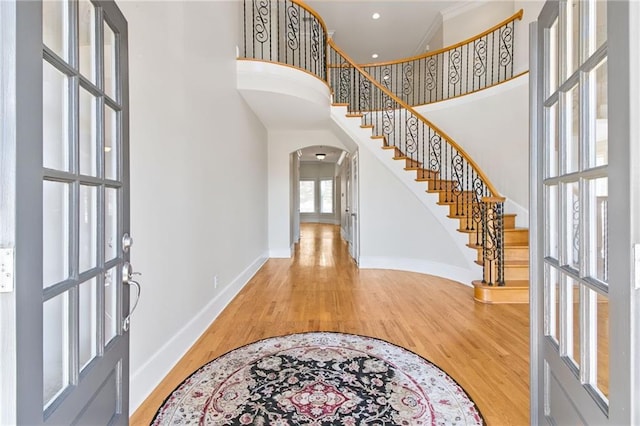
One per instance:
[(485, 348)]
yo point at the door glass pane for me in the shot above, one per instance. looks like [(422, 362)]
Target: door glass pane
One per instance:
[(87, 39), (573, 36), (326, 196), (598, 149), (572, 133), (88, 215), (598, 232), (55, 346), (110, 55), (111, 148), (552, 303), (55, 26), (87, 134), (552, 58), (110, 223), (111, 282), (572, 225), (551, 144), (600, 22), (573, 329), (87, 321), (55, 99), (307, 196), (602, 365), (551, 229), (55, 236)]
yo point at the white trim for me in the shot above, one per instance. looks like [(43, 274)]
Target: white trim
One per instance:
[(461, 275), (459, 8), (150, 374), (281, 253)]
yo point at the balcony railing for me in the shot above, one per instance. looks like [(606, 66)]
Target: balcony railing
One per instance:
[(286, 32), (466, 67)]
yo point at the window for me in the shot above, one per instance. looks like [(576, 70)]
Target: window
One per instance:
[(316, 196), (307, 196), (326, 196)]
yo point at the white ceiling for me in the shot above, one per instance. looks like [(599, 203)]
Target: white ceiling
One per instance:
[(400, 31), (309, 154)]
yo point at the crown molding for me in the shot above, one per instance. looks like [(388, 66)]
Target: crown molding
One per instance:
[(462, 7)]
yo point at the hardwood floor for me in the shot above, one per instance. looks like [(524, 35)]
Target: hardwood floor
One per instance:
[(485, 348)]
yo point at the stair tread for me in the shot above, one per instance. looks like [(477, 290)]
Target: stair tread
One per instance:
[(506, 245), (507, 284), (511, 263), (516, 229)]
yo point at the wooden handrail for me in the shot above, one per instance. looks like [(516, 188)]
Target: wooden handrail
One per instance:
[(517, 15), (485, 179)]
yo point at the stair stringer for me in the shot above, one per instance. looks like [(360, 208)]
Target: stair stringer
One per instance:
[(351, 128)]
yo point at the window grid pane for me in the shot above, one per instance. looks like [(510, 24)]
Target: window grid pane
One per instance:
[(55, 118), (55, 343), (87, 39), (307, 196), (326, 196)]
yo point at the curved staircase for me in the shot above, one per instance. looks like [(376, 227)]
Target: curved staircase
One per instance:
[(502, 249)]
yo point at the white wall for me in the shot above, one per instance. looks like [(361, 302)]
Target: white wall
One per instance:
[(198, 178), (468, 19), (401, 226), (471, 18), (492, 126), (281, 144)]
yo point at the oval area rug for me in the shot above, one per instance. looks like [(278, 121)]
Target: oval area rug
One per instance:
[(319, 379)]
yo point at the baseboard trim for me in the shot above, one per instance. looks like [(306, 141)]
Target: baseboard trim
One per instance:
[(145, 379), (455, 273), (281, 253)]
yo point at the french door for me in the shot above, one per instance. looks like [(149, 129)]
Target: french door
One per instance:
[(67, 218), (584, 297)]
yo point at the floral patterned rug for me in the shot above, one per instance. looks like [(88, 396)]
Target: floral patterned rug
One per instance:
[(319, 379)]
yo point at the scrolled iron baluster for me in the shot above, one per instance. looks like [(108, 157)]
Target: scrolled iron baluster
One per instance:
[(455, 59), (457, 166), (315, 40), (407, 79), (345, 82), (506, 45), (412, 134), (293, 27), (388, 117), (435, 146), (364, 92), (261, 22), (386, 77), (479, 57)]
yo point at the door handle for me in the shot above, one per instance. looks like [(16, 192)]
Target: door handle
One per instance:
[(127, 275)]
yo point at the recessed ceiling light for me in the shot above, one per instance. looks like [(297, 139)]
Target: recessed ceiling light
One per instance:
[(376, 15), (374, 56)]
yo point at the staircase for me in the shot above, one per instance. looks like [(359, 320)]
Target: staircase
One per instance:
[(377, 97), (506, 268)]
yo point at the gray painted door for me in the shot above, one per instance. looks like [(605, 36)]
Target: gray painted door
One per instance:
[(69, 336), (584, 301)]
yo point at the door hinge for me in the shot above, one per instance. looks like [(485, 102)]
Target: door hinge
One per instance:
[(636, 266), (6, 270)]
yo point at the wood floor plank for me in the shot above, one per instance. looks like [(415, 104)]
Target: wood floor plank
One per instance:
[(485, 348)]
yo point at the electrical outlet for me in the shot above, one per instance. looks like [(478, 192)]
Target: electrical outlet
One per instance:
[(215, 281)]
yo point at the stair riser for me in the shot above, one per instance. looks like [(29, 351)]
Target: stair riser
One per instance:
[(509, 222), (510, 237), (510, 253), (516, 273), (448, 197), (423, 175)]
